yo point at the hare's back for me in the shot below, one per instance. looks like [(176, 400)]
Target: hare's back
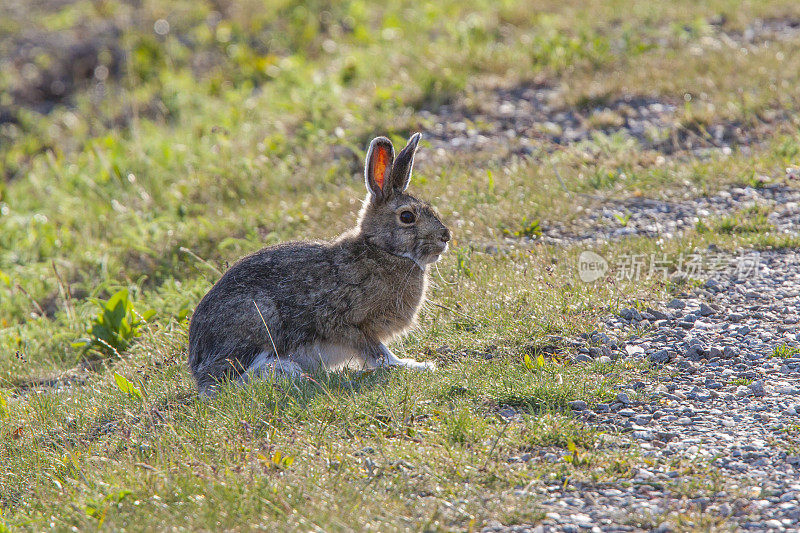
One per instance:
[(286, 281), (281, 265)]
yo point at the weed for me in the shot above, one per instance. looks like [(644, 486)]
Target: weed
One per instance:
[(462, 261), (751, 220), (115, 326), (785, 351), (526, 228), (623, 219)]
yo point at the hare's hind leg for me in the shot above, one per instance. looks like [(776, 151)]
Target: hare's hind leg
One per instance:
[(388, 359), (267, 365)]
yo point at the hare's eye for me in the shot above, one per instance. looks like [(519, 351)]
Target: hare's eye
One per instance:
[(407, 217)]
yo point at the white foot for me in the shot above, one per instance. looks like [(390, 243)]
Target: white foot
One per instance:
[(389, 360), (267, 365), (422, 366)]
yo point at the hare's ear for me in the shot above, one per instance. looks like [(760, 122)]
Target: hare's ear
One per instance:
[(401, 170), (378, 166)]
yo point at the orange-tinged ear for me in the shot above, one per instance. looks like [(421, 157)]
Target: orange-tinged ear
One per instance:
[(380, 157), (380, 162)]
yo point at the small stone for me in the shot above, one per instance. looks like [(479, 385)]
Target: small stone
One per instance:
[(578, 405), (367, 450), (508, 412), (742, 391), (596, 351), (661, 356), (627, 412), (582, 358), (601, 338), (757, 387), (696, 352), (623, 398), (684, 421), (658, 315), (642, 420), (630, 314), (666, 436), (602, 408), (706, 310), (730, 352), (634, 350), (676, 304)]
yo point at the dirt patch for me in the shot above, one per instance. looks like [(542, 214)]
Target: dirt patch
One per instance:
[(518, 119), (70, 379), (45, 69), (762, 31)]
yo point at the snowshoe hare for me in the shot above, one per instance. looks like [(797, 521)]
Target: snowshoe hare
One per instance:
[(303, 306)]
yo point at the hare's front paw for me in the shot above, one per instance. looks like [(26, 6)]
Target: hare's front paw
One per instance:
[(422, 366), (389, 360)]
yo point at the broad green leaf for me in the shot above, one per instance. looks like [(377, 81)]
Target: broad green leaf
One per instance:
[(115, 326), (528, 362), (126, 386), (80, 343)]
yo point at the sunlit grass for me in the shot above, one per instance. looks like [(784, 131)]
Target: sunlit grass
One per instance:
[(244, 126)]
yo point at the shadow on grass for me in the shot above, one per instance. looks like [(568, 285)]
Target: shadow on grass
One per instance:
[(260, 405)]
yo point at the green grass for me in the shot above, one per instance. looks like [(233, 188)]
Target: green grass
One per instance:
[(246, 125), (784, 351), (750, 220)]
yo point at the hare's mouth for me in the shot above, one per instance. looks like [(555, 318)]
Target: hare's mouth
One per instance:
[(434, 254)]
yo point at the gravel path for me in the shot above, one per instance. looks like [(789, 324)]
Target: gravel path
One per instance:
[(661, 218), (728, 403), (516, 120), (500, 122)]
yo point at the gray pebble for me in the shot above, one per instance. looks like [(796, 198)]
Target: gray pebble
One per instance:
[(578, 405), (676, 304)]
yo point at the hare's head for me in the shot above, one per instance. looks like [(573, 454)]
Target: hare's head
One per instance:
[(393, 220)]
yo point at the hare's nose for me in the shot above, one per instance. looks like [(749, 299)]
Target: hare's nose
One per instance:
[(445, 235)]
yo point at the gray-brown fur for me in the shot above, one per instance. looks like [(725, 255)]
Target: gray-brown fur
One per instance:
[(325, 304)]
